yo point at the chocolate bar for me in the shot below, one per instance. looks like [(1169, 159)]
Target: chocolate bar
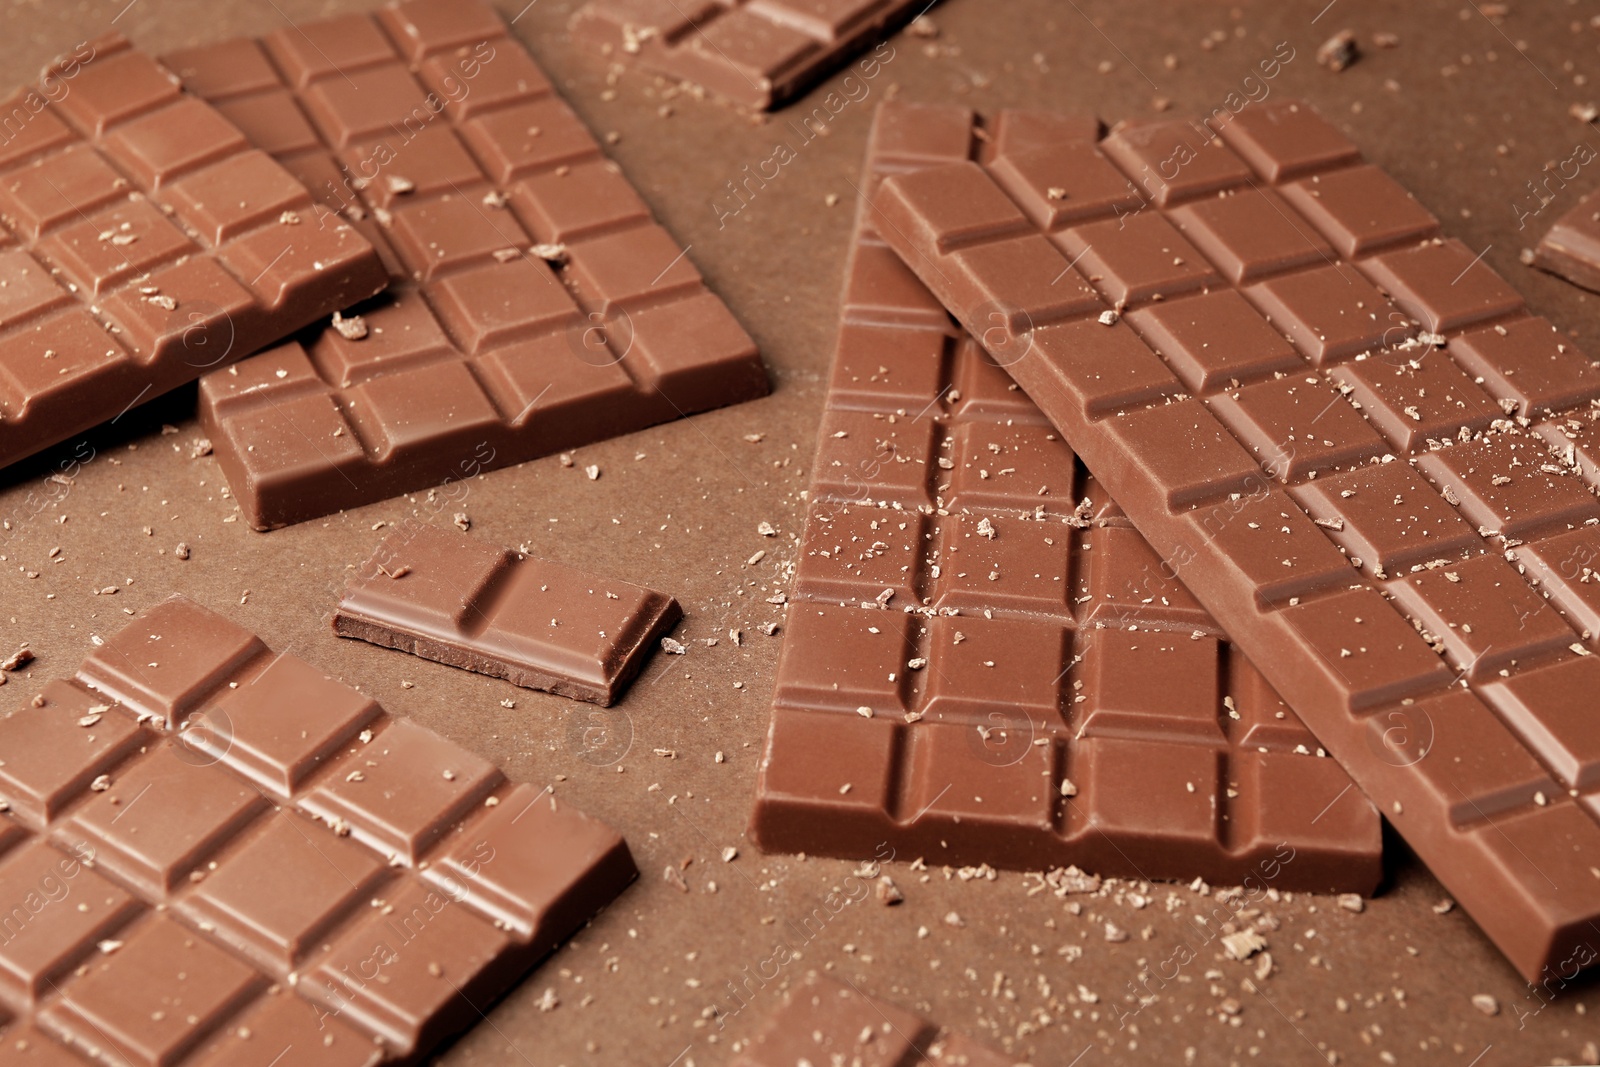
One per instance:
[(444, 596), (759, 54), (825, 1022), (1343, 431), (143, 241), (1571, 247), (217, 855), (985, 663), (536, 305)]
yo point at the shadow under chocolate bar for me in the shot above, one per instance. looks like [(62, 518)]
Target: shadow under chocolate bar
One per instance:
[(143, 242), (985, 663), (536, 305), (1347, 434), (448, 597), (261, 866)]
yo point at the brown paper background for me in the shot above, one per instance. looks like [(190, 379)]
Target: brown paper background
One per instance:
[(1456, 112)]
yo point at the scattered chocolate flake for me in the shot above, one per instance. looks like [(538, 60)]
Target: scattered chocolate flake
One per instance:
[(674, 878), (352, 329), (887, 892), (1243, 945), (1339, 51), (17, 660), (672, 647), (1486, 1003), (1352, 902)]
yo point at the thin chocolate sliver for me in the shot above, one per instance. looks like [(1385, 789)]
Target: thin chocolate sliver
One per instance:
[(143, 242), (759, 55), (826, 1022), (985, 663), (1398, 525), (536, 306), (445, 596), (264, 867)]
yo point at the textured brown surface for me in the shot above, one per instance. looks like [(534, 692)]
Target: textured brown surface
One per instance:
[(779, 263)]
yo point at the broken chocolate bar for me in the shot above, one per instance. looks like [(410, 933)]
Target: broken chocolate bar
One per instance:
[(1344, 432), (263, 866), (985, 663), (1571, 247), (449, 597), (825, 1022), (759, 54), (536, 305), (143, 241)]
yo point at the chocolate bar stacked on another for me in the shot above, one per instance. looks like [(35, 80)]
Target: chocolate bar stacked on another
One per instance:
[(985, 663), (1343, 431)]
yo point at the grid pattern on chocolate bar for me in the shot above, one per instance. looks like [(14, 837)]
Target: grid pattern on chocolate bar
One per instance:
[(985, 663), (214, 854), (445, 596), (142, 242), (757, 53), (536, 304), (1428, 462), (823, 1021)]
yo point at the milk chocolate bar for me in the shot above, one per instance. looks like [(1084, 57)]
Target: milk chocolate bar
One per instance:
[(826, 1022), (215, 855), (143, 241), (536, 304), (985, 663), (759, 54), (1342, 430), (445, 596)]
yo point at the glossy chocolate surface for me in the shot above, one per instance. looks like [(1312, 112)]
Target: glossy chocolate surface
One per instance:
[(445, 596), (759, 54), (143, 241), (988, 664), (536, 305), (214, 854), (1362, 524)]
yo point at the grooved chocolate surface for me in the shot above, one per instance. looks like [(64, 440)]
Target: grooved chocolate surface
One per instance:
[(1399, 528), (986, 663), (826, 1022), (536, 304), (213, 854), (143, 241), (445, 596), (759, 54)]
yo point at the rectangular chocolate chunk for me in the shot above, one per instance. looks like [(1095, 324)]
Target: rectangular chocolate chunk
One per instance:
[(826, 1022), (264, 867), (143, 241), (1571, 247), (985, 663), (759, 54), (536, 304), (445, 596), (1395, 527)]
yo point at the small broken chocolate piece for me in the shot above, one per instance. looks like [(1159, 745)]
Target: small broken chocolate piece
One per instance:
[(979, 667), (824, 1022), (451, 598), (759, 56)]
